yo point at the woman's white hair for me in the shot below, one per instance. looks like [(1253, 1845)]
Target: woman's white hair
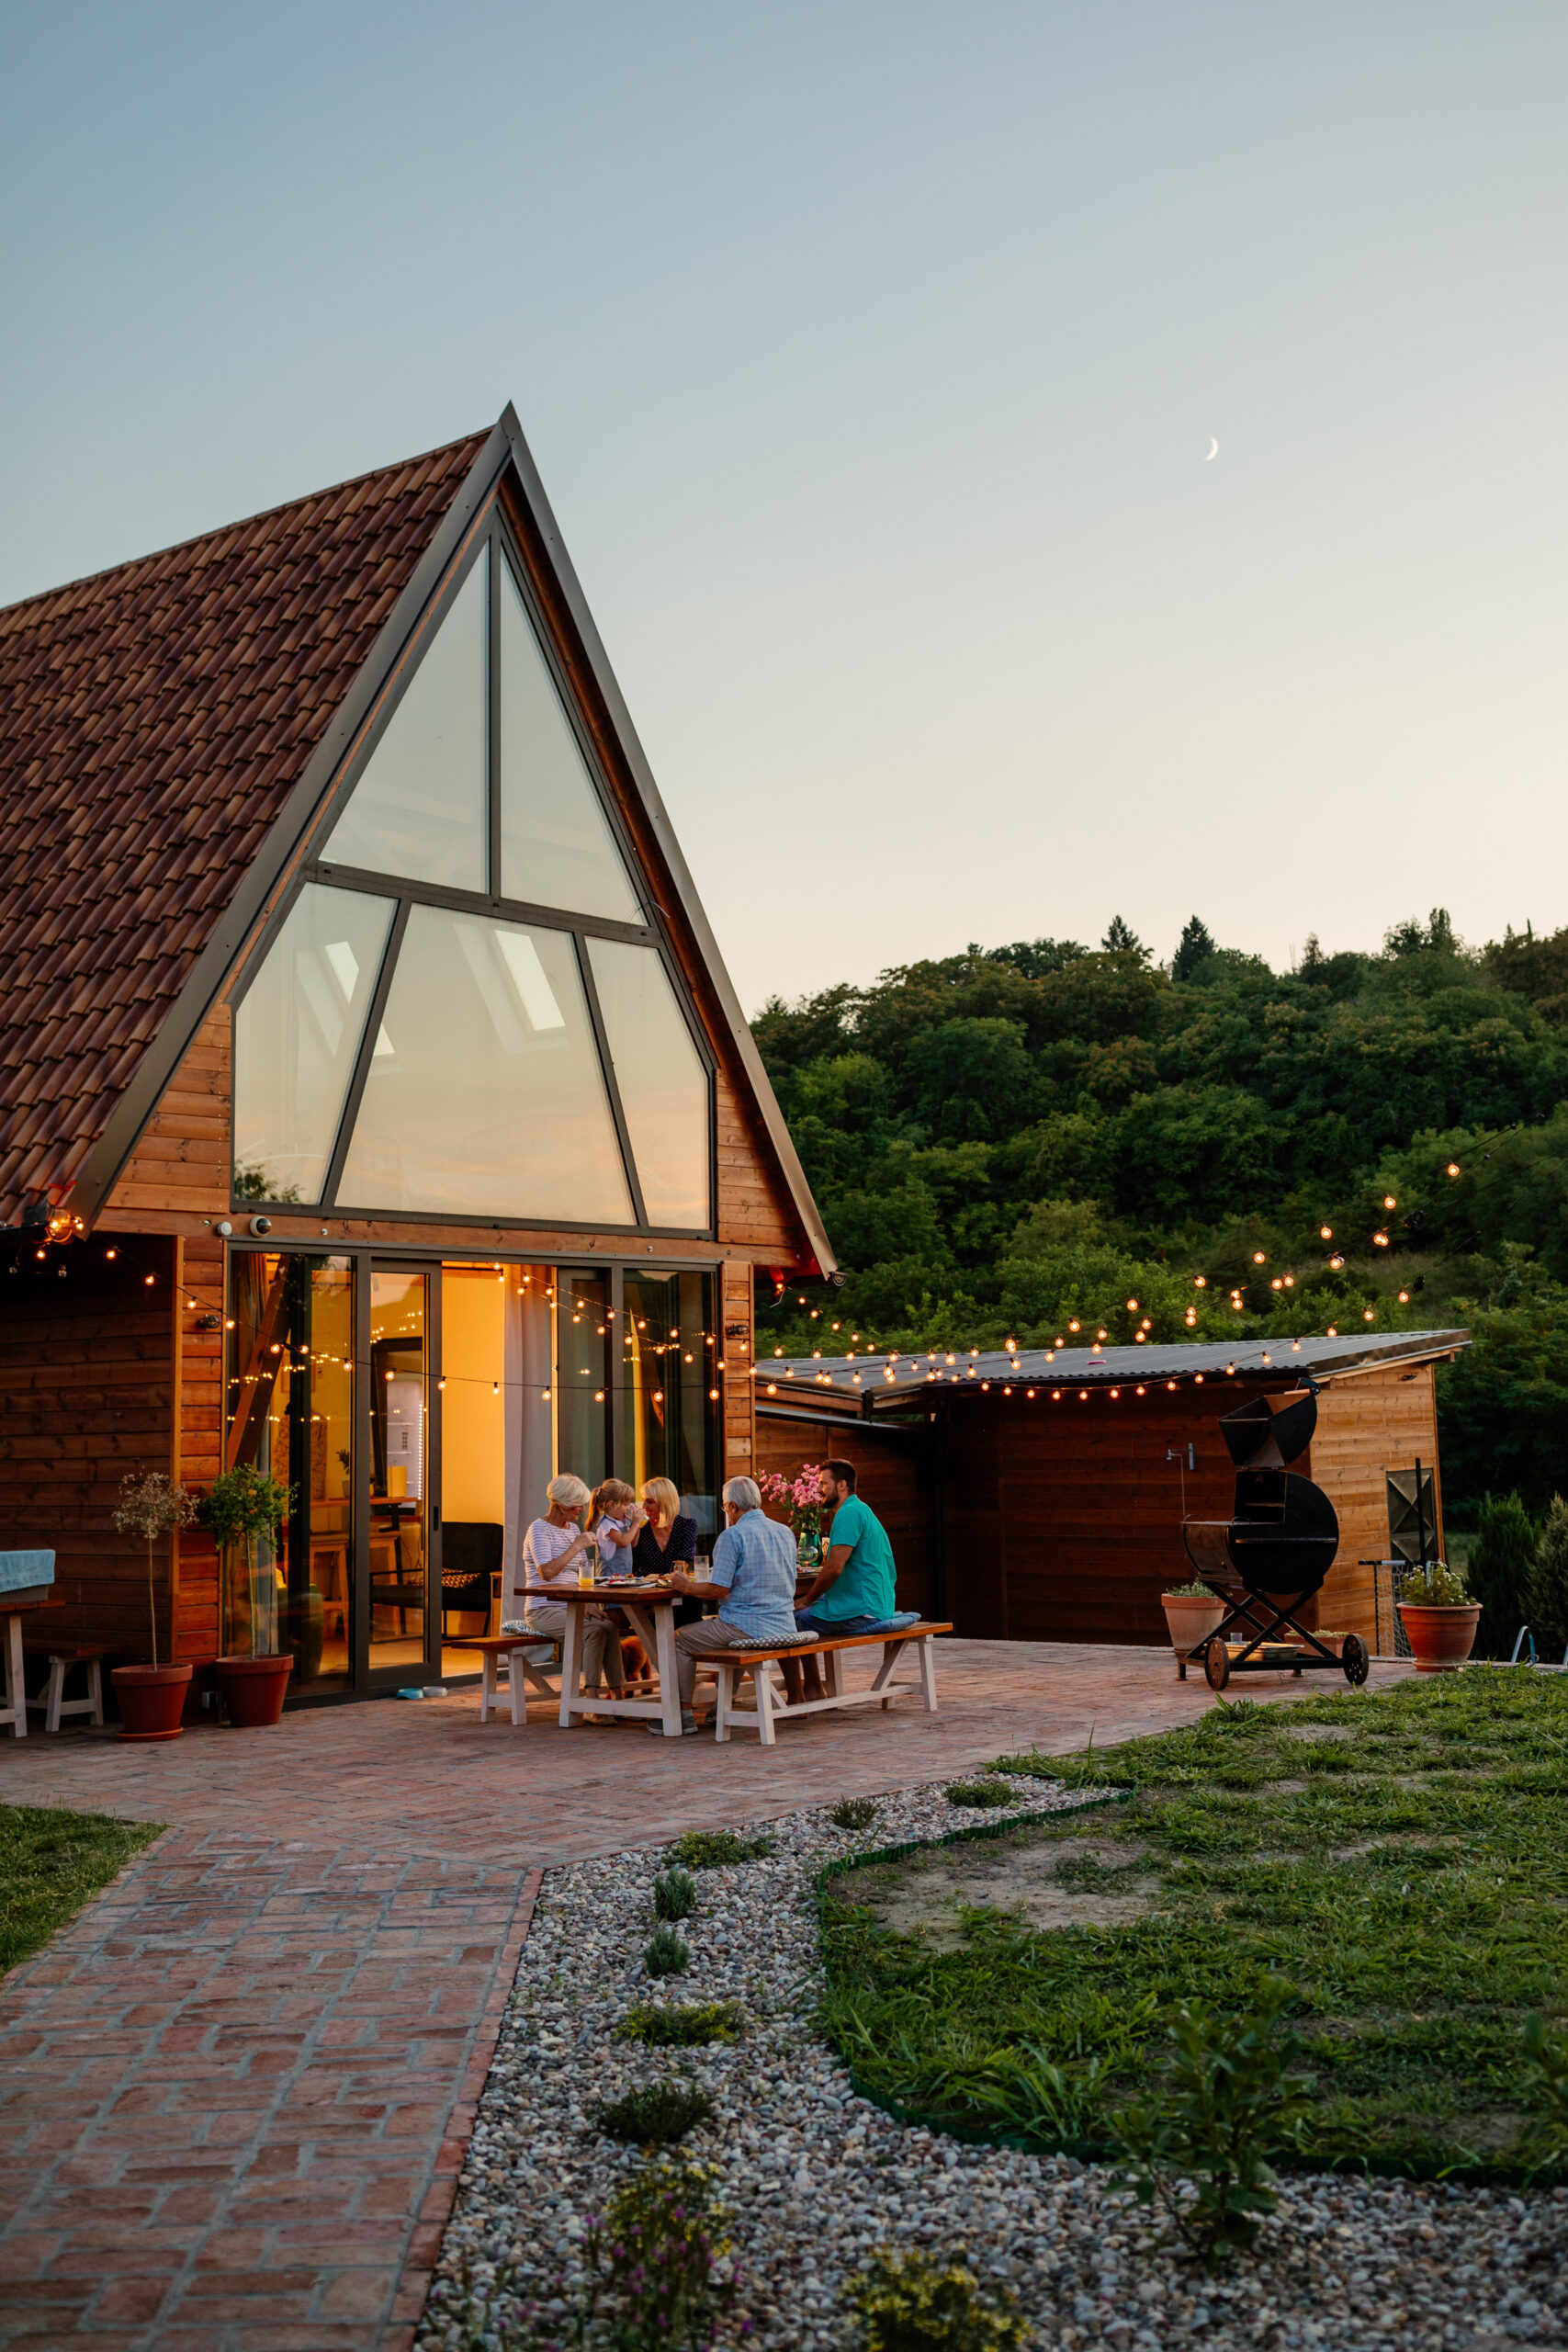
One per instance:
[(744, 1493), (569, 1492)]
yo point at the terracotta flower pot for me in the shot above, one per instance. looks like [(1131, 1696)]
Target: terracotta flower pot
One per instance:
[(1441, 1638), (151, 1700), (1191, 1618), (253, 1687)]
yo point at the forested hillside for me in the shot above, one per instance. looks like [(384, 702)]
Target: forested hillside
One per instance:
[(1020, 1140)]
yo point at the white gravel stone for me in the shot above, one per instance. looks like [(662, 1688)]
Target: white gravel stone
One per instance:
[(816, 2177)]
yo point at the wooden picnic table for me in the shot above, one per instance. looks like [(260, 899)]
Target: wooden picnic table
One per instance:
[(650, 1607)]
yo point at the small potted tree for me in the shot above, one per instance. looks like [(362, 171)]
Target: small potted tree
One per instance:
[(1439, 1616), (240, 1506), (152, 1697), (1192, 1612)]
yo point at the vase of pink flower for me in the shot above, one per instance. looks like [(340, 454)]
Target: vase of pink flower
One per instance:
[(798, 1501)]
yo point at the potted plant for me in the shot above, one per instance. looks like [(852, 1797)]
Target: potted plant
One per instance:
[(152, 1697), (1439, 1616), (1192, 1611), (240, 1506)]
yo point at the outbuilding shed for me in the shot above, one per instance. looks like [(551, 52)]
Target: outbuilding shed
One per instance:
[(1038, 1494)]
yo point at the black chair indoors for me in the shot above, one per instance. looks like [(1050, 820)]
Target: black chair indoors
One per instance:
[(1281, 1545), (470, 1561)]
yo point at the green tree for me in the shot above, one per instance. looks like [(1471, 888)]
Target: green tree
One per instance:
[(1499, 1567), (1194, 947), (1547, 1592)]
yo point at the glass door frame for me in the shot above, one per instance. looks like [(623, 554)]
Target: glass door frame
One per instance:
[(364, 1677)]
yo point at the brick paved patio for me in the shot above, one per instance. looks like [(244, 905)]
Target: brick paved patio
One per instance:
[(234, 2094)]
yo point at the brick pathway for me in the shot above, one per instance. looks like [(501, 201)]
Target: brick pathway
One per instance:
[(234, 2094)]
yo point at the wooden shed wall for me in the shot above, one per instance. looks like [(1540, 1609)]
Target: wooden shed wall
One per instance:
[(1367, 1426), (1063, 1523), (891, 1479)]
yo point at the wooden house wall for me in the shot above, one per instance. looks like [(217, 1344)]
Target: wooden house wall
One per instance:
[(891, 1479), (88, 1389), (177, 1177)]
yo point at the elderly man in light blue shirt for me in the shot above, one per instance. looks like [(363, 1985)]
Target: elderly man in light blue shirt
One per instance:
[(751, 1576)]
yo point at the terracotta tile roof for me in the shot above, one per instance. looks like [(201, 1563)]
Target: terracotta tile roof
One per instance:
[(152, 719)]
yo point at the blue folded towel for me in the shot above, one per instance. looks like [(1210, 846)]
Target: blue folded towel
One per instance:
[(19, 1571), (897, 1623)]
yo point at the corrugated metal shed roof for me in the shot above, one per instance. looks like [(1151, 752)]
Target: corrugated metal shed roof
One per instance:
[(846, 1382)]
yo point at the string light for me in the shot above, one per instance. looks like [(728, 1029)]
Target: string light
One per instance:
[(1453, 1168), (1258, 1258), (1326, 1231), (1388, 1201)]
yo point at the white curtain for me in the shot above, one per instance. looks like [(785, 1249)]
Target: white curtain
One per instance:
[(530, 1417)]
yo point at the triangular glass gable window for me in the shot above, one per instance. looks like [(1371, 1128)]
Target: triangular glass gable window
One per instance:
[(557, 848), (664, 1085), (421, 805), (297, 1037), (484, 1095)]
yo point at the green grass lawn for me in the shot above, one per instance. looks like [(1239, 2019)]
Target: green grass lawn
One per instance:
[(50, 1863), (1399, 1859)]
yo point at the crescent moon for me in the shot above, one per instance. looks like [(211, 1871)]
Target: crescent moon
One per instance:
[(1213, 450)]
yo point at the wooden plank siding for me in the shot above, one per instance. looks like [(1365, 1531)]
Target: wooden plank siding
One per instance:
[(1377, 1422), (182, 1157), (87, 1395), (1063, 1522), (738, 1336), (891, 1480), (752, 1211)]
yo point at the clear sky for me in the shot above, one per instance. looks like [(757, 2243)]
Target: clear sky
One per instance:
[(870, 352)]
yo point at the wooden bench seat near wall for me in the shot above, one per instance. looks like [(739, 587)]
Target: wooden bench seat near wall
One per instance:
[(728, 1665)]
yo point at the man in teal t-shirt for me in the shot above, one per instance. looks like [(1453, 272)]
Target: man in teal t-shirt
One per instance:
[(853, 1589)]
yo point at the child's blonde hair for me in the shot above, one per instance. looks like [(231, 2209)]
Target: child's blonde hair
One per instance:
[(608, 1500)]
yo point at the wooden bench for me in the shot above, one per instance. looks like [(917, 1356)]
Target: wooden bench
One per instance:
[(769, 1708), (54, 1703), (521, 1669)]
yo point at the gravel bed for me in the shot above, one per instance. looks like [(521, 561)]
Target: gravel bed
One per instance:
[(816, 2177)]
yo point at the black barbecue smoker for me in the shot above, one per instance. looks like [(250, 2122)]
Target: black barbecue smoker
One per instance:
[(1275, 1553)]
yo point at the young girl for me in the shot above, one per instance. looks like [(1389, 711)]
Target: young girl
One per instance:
[(614, 1523)]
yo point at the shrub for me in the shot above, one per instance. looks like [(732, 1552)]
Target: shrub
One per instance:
[(674, 1895), (854, 1813), (1230, 2098), (683, 2024), (654, 2114), (657, 2256), (711, 1850), (1499, 1567), (912, 2302), (981, 1793), (666, 1954), (1547, 1591)]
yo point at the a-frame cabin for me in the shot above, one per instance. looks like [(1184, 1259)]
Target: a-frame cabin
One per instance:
[(374, 1106)]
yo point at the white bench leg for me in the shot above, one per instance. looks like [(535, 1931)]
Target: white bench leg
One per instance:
[(487, 1686), (518, 1688), (725, 1677), (927, 1672), (54, 1694), (891, 1654), (96, 1690), (15, 1711), (571, 1667), (762, 1684)]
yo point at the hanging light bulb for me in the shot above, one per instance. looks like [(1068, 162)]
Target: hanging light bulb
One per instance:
[(1258, 1258), (1453, 1168)]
